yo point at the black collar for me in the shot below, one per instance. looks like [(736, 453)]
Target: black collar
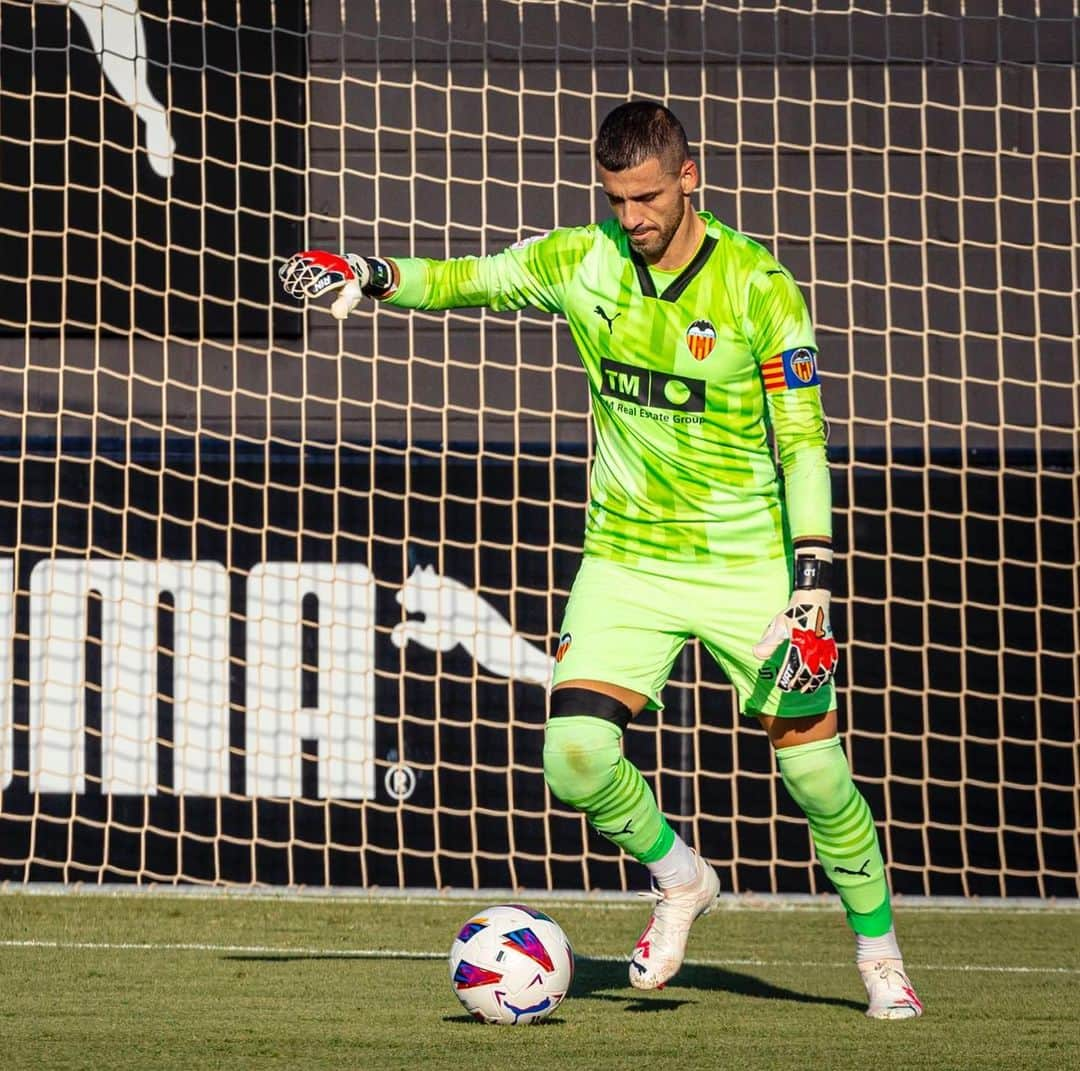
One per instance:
[(684, 278)]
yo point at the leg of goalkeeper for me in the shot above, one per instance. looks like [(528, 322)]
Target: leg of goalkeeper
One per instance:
[(815, 770), (585, 768)]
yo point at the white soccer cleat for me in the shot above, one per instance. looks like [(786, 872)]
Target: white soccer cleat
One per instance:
[(889, 990), (659, 952)]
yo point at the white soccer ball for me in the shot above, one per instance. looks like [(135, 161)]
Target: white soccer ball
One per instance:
[(511, 965)]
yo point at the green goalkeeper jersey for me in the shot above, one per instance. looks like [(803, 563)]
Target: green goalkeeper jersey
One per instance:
[(688, 370)]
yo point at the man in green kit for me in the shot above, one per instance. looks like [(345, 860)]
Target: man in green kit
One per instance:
[(697, 344)]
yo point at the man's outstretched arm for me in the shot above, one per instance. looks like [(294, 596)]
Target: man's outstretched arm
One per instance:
[(533, 272)]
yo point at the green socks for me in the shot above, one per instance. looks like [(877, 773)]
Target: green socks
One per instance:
[(819, 780), (584, 766)]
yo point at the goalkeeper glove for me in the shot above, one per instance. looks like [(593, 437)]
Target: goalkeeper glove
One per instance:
[(812, 655), (316, 272)]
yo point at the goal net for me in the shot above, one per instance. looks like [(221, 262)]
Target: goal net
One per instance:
[(279, 596)]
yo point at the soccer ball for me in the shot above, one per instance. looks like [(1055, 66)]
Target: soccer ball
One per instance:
[(511, 965)]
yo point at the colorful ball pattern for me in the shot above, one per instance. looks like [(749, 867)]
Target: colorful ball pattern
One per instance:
[(511, 965)]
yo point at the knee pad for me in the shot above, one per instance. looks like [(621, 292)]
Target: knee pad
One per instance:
[(585, 768), (580, 756), (581, 742)]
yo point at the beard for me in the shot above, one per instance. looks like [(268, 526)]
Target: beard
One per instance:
[(653, 243)]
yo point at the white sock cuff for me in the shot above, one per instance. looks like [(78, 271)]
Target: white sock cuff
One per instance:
[(868, 949), (677, 866)]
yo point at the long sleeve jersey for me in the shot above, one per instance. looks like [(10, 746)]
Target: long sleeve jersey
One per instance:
[(688, 371)]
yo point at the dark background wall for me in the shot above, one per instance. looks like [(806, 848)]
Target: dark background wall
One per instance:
[(157, 392)]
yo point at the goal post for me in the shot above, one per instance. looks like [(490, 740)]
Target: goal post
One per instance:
[(279, 596)]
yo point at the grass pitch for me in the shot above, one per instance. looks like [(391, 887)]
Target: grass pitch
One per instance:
[(151, 981)]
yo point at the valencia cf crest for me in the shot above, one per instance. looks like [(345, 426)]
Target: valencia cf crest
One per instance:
[(790, 370), (700, 339), (564, 645), (802, 365)]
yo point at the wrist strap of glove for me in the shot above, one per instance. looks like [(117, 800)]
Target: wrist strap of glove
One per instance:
[(813, 566), (381, 281)]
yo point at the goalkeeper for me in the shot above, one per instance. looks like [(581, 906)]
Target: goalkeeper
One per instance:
[(697, 345)]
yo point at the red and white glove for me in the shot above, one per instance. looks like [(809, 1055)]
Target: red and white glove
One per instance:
[(812, 655), (315, 272)]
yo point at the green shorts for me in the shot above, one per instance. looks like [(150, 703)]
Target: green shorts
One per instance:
[(624, 625)]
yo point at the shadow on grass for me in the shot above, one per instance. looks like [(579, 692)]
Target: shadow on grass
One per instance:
[(600, 979), (468, 1020), (597, 979)]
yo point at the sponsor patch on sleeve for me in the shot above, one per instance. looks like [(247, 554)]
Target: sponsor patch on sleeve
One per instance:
[(522, 243), (790, 370)]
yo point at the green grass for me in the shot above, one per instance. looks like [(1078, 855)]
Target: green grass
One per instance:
[(296, 983)]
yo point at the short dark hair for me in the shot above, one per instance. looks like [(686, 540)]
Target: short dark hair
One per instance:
[(637, 131)]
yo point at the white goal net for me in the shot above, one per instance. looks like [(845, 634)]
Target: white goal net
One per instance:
[(278, 597)]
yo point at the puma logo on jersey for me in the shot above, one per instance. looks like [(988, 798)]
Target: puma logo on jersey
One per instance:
[(860, 873), (609, 320)]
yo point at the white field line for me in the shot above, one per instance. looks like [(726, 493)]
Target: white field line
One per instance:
[(397, 953), (606, 901)]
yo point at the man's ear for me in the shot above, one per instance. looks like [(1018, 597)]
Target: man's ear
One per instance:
[(689, 178)]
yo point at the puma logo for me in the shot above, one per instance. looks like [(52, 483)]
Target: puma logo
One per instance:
[(455, 615), (609, 320), (862, 872), (116, 32), (626, 831)]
